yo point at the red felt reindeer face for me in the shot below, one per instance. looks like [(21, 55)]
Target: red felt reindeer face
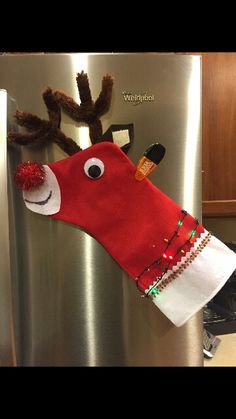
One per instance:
[(73, 187)]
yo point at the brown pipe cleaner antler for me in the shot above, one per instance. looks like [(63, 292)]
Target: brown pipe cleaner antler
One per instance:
[(88, 111), (42, 131)]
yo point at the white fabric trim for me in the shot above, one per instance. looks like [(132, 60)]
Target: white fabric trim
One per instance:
[(49, 192), (199, 282), (182, 260)]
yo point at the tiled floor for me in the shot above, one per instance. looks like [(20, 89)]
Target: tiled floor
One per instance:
[(225, 354)]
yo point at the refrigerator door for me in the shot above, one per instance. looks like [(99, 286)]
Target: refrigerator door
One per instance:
[(55, 314)]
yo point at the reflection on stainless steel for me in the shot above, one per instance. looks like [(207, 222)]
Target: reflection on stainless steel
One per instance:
[(84, 139), (191, 158), (79, 62), (90, 298), (71, 302)]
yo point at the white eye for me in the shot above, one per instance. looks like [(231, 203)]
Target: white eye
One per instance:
[(46, 199), (94, 168)]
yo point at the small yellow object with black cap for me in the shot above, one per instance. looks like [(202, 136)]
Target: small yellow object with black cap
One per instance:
[(149, 161)]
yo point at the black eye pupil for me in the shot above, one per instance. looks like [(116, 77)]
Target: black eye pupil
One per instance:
[(94, 171)]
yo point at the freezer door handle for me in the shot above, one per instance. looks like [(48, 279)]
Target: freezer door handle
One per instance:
[(7, 336)]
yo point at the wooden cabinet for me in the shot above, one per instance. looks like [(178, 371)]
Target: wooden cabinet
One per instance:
[(219, 134)]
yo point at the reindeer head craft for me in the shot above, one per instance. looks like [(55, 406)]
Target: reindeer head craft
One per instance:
[(172, 258)]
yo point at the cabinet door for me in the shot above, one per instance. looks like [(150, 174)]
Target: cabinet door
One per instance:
[(219, 133)]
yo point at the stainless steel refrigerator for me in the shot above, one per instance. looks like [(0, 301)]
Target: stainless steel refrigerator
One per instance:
[(50, 314)]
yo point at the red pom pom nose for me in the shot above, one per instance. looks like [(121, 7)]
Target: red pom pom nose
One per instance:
[(29, 175)]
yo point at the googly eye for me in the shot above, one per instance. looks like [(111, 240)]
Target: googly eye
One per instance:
[(94, 168)]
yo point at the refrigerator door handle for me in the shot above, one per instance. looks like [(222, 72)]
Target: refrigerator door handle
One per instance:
[(7, 335)]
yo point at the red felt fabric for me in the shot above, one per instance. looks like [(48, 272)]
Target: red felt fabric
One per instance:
[(129, 218)]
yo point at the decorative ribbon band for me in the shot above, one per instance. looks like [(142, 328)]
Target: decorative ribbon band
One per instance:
[(191, 239), (160, 285)]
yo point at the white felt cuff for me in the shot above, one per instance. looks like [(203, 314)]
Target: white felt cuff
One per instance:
[(198, 283)]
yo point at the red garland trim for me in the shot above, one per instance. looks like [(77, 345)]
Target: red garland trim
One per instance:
[(159, 287)]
